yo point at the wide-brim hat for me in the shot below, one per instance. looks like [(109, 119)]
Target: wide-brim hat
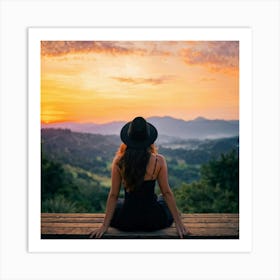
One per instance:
[(138, 134)]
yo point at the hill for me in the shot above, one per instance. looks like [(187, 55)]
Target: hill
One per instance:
[(84, 150), (94, 152), (168, 127)]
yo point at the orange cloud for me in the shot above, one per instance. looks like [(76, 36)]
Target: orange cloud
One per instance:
[(58, 48), (216, 56), (153, 81), (207, 80)]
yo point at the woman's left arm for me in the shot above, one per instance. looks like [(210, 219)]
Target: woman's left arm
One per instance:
[(169, 197), (111, 201)]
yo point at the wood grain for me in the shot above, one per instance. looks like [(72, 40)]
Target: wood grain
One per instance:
[(79, 225)]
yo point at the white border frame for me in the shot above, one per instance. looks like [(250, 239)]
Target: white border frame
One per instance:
[(243, 35), (262, 16)]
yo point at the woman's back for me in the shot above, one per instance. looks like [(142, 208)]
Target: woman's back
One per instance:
[(152, 169), (141, 209)]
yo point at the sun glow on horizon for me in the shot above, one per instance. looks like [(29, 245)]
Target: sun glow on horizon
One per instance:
[(102, 82)]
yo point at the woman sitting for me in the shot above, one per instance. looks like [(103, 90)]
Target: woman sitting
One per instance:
[(138, 166)]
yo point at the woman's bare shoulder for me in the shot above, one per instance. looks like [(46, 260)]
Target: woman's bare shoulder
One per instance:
[(116, 160), (161, 158)]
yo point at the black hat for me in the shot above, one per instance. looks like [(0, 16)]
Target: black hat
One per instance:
[(138, 134)]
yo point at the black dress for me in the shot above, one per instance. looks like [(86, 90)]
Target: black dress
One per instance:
[(142, 210)]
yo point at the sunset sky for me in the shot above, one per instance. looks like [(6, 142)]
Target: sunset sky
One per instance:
[(104, 81)]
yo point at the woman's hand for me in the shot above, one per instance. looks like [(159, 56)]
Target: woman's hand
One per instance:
[(181, 229), (98, 233)]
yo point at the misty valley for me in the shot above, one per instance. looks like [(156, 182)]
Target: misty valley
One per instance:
[(76, 169)]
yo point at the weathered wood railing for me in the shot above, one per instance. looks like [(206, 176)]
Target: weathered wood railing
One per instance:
[(79, 226)]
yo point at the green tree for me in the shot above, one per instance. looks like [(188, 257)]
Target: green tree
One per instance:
[(54, 179), (223, 172), (194, 198), (59, 204), (66, 190), (216, 192)]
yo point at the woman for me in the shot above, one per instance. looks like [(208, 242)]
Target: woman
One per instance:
[(137, 166)]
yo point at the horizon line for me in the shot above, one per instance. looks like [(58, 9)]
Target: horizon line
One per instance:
[(114, 121)]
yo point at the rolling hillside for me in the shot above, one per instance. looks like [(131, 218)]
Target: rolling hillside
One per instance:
[(199, 128)]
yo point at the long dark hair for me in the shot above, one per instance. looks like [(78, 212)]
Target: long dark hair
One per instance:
[(133, 164)]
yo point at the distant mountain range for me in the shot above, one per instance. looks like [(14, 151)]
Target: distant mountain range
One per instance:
[(168, 128)]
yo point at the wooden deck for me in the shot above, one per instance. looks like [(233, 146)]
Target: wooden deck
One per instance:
[(79, 225)]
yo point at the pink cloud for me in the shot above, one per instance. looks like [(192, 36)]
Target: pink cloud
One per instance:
[(216, 55), (207, 80), (57, 48), (152, 81)]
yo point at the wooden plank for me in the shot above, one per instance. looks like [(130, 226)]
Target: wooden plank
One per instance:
[(98, 215), (72, 214), (206, 231), (79, 225), (98, 223), (171, 232), (95, 225), (72, 220), (100, 219), (185, 218)]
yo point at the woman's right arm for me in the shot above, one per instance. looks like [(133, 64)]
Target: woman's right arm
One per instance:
[(169, 197), (111, 201)]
